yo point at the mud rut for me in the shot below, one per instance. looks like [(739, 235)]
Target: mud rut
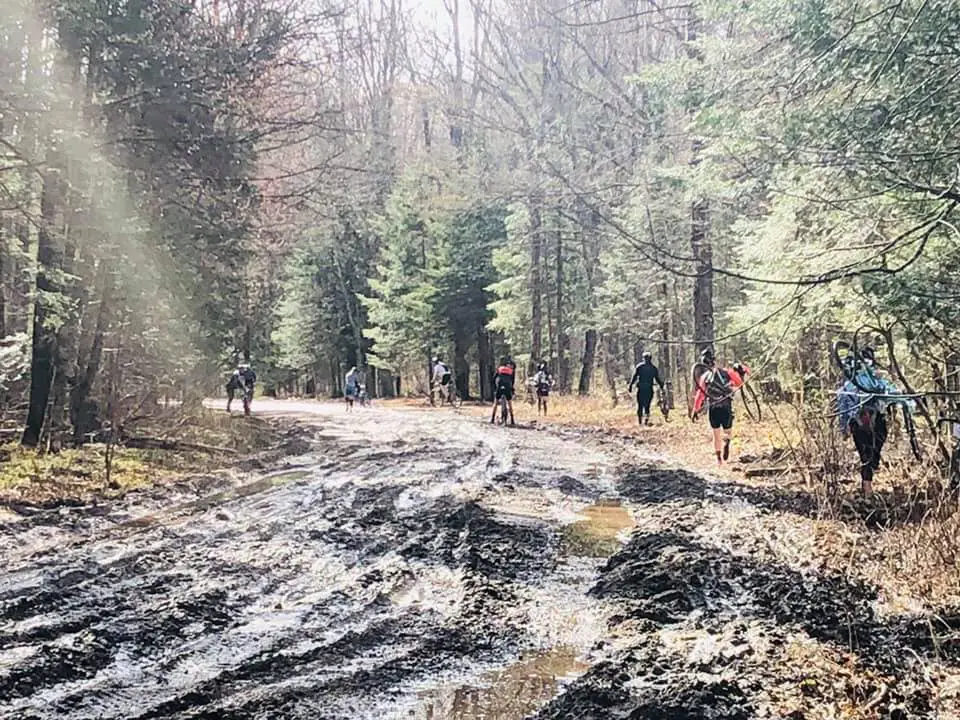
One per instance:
[(425, 565)]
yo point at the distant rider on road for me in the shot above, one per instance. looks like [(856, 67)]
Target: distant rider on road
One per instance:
[(503, 382), (441, 380), (243, 379)]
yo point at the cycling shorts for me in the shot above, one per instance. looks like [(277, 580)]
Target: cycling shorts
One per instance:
[(721, 416), (543, 390), (445, 380), (504, 391)]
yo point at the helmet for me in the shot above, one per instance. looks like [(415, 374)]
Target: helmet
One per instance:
[(741, 369), (542, 365), (707, 355), (436, 358), (508, 360), (647, 355), (243, 366), (868, 355)]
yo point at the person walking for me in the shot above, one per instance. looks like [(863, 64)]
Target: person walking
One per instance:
[(714, 393), (644, 377)]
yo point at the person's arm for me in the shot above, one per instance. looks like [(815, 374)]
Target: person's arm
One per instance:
[(736, 379), (847, 401), (657, 377)]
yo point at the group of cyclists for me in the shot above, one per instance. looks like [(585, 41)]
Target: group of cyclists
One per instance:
[(863, 398), (504, 382)]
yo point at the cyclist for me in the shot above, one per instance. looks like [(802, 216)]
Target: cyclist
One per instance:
[(863, 400), (243, 380), (542, 383), (351, 387), (503, 382), (645, 375), (441, 380), (715, 389)]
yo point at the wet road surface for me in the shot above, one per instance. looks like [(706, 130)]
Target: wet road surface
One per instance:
[(408, 561), (426, 565)]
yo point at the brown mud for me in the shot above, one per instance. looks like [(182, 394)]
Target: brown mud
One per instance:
[(427, 565)]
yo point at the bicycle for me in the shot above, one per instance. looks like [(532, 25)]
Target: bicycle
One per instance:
[(502, 404), (447, 397), (845, 356)]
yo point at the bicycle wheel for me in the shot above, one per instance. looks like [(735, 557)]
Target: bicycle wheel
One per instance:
[(457, 401), (503, 411)]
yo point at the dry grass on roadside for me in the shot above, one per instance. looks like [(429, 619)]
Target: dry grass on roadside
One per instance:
[(79, 474)]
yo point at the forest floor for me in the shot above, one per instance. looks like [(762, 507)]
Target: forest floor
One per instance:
[(393, 563)]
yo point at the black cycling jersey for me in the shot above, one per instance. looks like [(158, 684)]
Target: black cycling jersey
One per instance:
[(645, 376)]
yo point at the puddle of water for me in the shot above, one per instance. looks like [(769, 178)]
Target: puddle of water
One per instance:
[(598, 534), (508, 694)]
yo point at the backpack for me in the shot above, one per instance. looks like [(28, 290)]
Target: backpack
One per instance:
[(718, 388)]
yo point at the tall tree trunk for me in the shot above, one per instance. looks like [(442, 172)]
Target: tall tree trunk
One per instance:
[(703, 285), (610, 366), (81, 412), (589, 359), (563, 339), (44, 346), (536, 284), (485, 364), (702, 247), (3, 280), (461, 366), (665, 361)]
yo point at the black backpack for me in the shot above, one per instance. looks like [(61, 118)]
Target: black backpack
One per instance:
[(718, 387)]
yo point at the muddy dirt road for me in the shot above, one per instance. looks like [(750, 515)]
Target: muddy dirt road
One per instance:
[(426, 565)]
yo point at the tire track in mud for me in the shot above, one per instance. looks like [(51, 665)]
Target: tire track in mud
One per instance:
[(419, 552), (711, 622), (421, 565)]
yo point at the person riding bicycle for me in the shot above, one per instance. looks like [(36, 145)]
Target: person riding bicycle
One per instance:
[(542, 383), (644, 376), (503, 382), (715, 389), (441, 380), (243, 380), (863, 400)]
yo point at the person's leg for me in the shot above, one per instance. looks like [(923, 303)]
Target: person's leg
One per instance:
[(718, 444), (496, 403), (863, 441), (716, 424), (230, 394), (646, 398), (727, 434), (510, 408)]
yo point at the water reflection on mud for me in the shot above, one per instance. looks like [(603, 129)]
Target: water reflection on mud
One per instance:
[(508, 694), (600, 533)]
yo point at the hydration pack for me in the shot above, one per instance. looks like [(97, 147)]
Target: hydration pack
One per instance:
[(718, 388)]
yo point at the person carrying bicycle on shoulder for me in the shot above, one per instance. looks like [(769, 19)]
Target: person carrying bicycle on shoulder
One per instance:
[(503, 383), (542, 383), (441, 380), (715, 389), (863, 400)]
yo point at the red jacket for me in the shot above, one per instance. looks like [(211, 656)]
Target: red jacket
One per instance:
[(700, 393)]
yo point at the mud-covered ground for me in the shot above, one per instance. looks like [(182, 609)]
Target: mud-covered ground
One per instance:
[(427, 565)]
